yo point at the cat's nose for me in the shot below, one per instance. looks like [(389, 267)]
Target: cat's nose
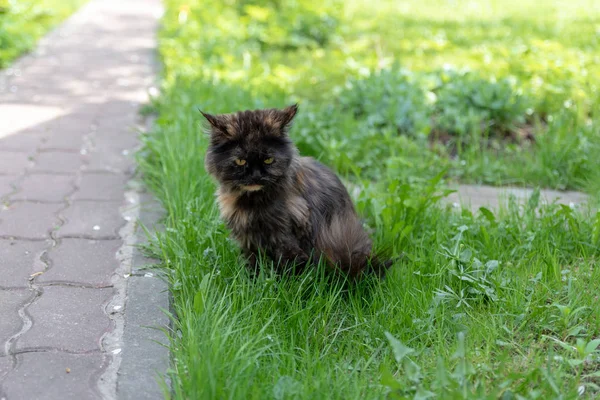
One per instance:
[(256, 174)]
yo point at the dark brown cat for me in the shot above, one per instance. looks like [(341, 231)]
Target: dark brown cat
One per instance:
[(288, 207)]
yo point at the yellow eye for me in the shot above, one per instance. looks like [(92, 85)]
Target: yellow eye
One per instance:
[(269, 160), (240, 162)]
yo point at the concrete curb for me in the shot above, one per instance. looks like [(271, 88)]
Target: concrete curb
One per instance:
[(145, 353)]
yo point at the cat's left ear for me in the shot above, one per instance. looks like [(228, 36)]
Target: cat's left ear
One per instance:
[(287, 115)]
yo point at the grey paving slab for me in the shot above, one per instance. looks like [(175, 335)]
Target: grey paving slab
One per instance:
[(28, 220), (53, 376), (123, 113), (116, 135), (18, 260), (23, 142), (60, 141), (7, 184), (83, 261), (13, 162), (111, 159), (92, 219), (44, 187), (68, 132), (100, 186), (67, 318), (21, 116), (10, 303), (5, 366), (476, 196), (58, 161), (124, 146)]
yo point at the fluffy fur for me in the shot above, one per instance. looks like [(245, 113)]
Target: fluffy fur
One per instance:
[(290, 208)]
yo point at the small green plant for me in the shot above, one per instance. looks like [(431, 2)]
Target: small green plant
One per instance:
[(566, 320), (584, 358), (301, 25), (459, 382), (467, 105), (389, 98), (411, 383), (470, 280)]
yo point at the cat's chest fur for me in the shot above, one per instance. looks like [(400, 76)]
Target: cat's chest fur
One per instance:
[(256, 224)]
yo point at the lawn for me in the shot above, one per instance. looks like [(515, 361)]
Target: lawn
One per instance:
[(400, 99), (23, 22)]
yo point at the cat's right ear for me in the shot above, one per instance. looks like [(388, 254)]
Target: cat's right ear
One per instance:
[(217, 124), (213, 120)]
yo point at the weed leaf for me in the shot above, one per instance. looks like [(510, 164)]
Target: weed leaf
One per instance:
[(400, 350), (592, 346)]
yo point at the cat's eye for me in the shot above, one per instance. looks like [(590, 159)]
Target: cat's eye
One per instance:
[(240, 162), (269, 160)]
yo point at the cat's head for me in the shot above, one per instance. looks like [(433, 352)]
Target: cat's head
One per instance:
[(250, 151)]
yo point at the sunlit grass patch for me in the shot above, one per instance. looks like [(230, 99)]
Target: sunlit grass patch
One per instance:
[(477, 305), (502, 279)]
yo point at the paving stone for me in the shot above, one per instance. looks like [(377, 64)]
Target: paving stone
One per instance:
[(100, 186), (58, 161), (111, 159), (5, 366), (24, 115), (23, 142), (28, 220), (92, 219), (45, 187), (10, 323), (477, 196), (18, 260), (118, 113), (150, 217), (7, 183), (85, 261), (54, 375), (71, 141), (67, 318), (13, 162), (67, 133), (142, 348), (116, 135)]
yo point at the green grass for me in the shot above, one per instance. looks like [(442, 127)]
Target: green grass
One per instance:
[(481, 305), (23, 22), (533, 71)]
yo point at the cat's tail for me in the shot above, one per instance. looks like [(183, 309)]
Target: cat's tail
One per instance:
[(379, 262), (347, 247)]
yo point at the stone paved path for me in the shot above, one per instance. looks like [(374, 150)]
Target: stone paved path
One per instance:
[(475, 196), (67, 119)]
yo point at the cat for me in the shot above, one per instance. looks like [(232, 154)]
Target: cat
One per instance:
[(290, 208)]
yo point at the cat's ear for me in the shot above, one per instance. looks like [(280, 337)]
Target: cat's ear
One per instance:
[(216, 123), (286, 117), (212, 119)]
